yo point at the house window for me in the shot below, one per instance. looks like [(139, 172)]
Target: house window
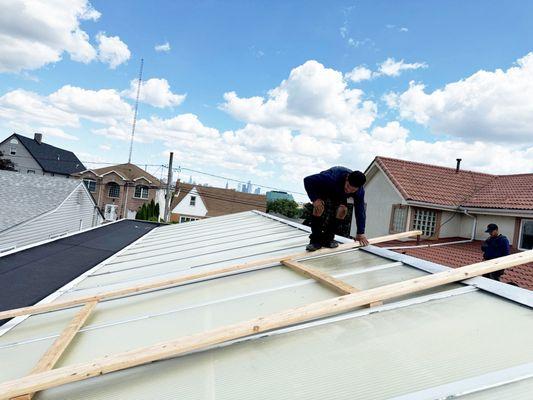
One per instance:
[(398, 218), (114, 190), (187, 219), (426, 221), (90, 184), (141, 192), (31, 171), (193, 201), (12, 149), (526, 235)]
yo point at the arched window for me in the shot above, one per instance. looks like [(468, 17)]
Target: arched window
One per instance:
[(114, 189), (141, 192)]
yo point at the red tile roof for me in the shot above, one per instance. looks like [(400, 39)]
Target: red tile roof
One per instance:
[(460, 254), (444, 186)]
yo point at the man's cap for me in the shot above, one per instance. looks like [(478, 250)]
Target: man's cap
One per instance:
[(491, 227)]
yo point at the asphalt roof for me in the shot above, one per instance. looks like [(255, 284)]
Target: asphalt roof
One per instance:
[(52, 159), (28, 276), (26, 196), (445, 186)]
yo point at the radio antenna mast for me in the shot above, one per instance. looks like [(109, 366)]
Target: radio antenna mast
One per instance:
[(136, 108)]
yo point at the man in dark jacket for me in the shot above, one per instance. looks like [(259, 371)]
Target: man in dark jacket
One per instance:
[(333, 187), (495, 246)]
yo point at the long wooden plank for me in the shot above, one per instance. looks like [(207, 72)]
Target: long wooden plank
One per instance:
[(167, 283), (54, 353), (327, 280), (201, 341)]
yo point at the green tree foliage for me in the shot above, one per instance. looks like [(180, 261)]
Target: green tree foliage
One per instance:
[(148, 212), (286, 207), (6, 164)]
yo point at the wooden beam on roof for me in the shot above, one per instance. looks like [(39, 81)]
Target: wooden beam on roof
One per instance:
[(54, 353), (325, 279), (168, 283), (203, 340)]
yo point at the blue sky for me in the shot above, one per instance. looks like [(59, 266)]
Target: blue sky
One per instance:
[(469, 65)]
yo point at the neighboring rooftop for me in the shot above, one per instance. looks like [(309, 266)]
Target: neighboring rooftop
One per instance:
[(26, 196), (51, 159), (448, 187), (128, 171), (220, 201), (455, 338), (460, 254), (28, 276)]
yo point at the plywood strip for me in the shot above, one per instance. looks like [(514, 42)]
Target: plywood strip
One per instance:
[(325, 279), (168, 283), (203, 340), (54, 353)]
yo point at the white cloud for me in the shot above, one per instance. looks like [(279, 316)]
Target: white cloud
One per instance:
[(49, 131), (112, 50), (164, 47), (391, 67), (404, 29), (36, 33), (393, 131), (155, 92), (488, 105), (359, 74), (105, 105), (104, 147)]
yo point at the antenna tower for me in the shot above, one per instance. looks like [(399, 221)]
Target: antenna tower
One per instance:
[(136, 108)]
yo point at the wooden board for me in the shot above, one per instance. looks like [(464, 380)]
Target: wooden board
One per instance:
[(54, 353), (168, 283), (203, 340)]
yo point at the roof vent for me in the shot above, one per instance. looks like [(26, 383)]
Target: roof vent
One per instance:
[(458, 165), (38, 137)]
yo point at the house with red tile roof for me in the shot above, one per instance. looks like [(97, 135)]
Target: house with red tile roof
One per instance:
[(449, 205)]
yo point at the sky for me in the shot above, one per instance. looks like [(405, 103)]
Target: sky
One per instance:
[(270, 92)]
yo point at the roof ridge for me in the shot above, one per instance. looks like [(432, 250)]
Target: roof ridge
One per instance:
[(433, 165)]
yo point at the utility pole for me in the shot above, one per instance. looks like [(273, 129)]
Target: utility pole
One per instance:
[(169, 181), (136, 107)]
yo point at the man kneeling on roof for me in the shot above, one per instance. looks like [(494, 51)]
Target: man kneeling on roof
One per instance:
[(329, 191), (496, 245)]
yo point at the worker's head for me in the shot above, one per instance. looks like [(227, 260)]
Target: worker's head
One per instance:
[(354, 181), (492, 230)]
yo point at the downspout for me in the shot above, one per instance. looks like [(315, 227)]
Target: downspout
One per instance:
[(472, 237), (124, 215)]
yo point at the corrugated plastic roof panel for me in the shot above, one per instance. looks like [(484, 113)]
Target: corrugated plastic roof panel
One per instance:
[(414, 343)]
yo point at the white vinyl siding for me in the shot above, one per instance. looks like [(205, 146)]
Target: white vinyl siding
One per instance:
[(75, 213)]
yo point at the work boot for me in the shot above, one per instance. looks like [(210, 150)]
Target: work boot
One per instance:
[(313, 247), (331, 245)]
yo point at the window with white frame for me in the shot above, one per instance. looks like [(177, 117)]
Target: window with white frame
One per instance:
[(187, 219), (398, 218), (426, 221), (193, 201), (114, 189), (30, 171), (141, 192), (90, 184), (12, 149), (526, 235)]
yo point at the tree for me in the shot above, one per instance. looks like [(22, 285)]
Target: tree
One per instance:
[(148, 212), (286, 207), (6, 164)]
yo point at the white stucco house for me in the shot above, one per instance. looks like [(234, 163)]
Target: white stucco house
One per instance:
[(34, 208), (447, 202)]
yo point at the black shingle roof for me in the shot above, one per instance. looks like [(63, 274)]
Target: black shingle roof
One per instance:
[(50, 158)]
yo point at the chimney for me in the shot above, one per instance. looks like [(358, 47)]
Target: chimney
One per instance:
[(458, 165), (38, 137)]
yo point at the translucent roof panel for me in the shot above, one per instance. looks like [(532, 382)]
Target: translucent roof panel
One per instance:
[(411, 343)]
